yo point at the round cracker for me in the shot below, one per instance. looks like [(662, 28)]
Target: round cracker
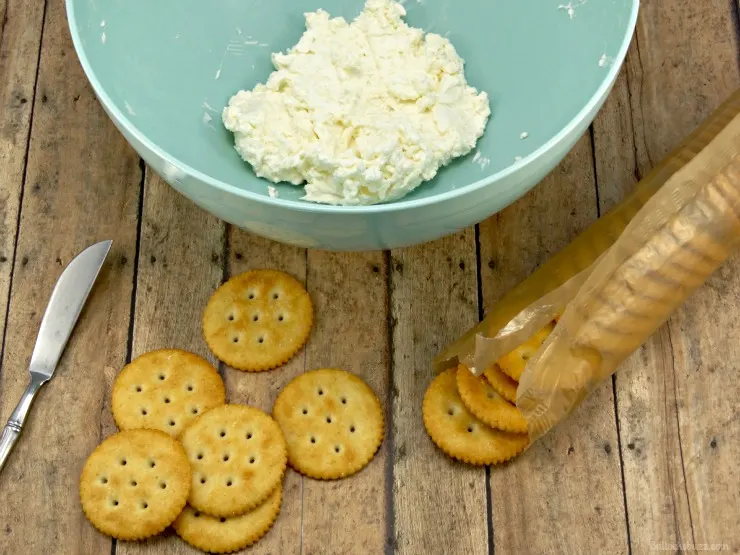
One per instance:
[(226, 535), (135, 483), (332, 422), (503, 384), (165, 390), (513, 363), (458, 433), (482, 400), (258, 320), (238, 456)]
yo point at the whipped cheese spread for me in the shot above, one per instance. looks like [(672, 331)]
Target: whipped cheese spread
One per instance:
[(361, 112)]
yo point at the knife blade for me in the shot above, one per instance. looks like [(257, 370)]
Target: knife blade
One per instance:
[(65, 305)]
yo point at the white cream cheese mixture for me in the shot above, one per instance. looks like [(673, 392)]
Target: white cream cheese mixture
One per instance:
[(361, 112)]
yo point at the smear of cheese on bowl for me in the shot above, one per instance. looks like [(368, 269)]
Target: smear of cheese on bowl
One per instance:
[(361, 112)]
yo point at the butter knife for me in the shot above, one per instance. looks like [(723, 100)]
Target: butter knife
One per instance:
[(66, 302)]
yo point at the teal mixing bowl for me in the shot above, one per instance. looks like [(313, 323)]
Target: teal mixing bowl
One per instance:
[(163, 71)]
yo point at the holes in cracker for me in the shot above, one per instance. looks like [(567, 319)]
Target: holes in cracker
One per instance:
[(203, 480), (139, 389), (171, 422), (275, 296), (231, 317), (229, 483), (352, 429), (320, 391), (328, 419), (260, 340), (305, 411), (251, 295), (115, 502), (196, 514), (104, 480), (471, 428), (123, 462), (280, 317), (225, 457), (249, 435), (161, 377), (189, 387), (255, 317), (337, 448), (344, 400), (152, 464), (222, 433), (144, 505), (167, 400), (162, 485), (194, 410), (313, 439), (134, 483), (144, 412), (222, 519), (235, 339), (199, 456)]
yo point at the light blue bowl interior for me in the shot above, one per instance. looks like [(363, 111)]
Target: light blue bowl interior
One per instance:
[(170, 66)]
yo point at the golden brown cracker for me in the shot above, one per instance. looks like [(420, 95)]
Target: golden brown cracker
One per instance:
[(513, 363), (332, 421), (165, 390), (482, 400), (135, 483), (238, 456), (258, 320), (458, 433), (503, 384), (228, 534)]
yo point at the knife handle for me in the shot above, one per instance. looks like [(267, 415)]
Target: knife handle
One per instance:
[(15, 423)]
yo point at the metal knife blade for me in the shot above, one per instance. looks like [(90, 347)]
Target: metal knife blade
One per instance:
[(66, 302)]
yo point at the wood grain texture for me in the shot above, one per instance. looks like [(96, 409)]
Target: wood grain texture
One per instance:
[(20, 41), (249, 252), (673, 393), (180, 263), (349, 292), (439, 505), (81, 187), (564, 495)]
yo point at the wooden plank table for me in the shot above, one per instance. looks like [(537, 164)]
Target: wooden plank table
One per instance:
[(648, 463)]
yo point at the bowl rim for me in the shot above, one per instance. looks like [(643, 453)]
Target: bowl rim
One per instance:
[(393, 206)]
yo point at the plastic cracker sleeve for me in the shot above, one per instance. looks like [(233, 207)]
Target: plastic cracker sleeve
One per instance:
[(622, 278)]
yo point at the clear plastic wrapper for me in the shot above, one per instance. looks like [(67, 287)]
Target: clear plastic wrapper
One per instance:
[(617, 282)]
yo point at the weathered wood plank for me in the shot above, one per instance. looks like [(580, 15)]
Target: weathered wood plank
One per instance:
[(180, 263), (82, 186), (564, 495), (676, 396), (20, 40), (439, 505), (248, 252), (349, 292)]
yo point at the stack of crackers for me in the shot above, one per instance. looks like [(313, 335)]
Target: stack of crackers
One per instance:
[(474, 418), (213, 471)]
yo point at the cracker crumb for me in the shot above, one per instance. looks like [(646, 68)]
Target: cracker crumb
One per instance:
[(272, 191), (524, 135)]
